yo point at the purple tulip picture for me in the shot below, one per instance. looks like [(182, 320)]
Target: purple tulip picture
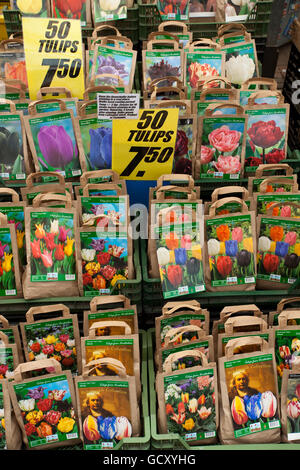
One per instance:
[(100, 148), (56, 146)]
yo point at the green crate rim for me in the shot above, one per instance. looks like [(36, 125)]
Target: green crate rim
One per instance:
[(173, 440)]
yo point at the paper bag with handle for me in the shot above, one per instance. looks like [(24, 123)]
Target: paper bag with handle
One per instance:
[(290, 404), (10, 280), (284, 304), (11, 436)]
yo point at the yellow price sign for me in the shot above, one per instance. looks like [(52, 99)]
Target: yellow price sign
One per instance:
[(53, 53), (143, 149)]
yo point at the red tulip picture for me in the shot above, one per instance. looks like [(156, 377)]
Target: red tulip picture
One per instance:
[(68, 8), (224, 265)]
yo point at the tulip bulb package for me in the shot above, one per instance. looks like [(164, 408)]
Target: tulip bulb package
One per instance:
[(108, 410), (38, 8), (262, 204), (12, 62), (188, 403), (107, 211), (278, 254), (9, 359), (180, 258), (249, 411), (10, 274), (290, 403), (177, 10), (73, 10), (14, 154), (160, 64), (10, 433), (108, 10), (241, 62), (200, 65)]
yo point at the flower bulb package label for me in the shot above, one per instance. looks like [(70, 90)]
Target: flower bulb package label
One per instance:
[(51, 339), (105, 412), (230, 39), (244, 95), (40, 8), (95, 139), (241, 62), (179, 321), (125, 315), (252, 394), (15, 215), (190, 406), (160, 64), (53, 143), (2, 421), (292, 406), (201, 65), (179, 254), (186, 362), (73, 10), (221, 146), (267, 131), (278, 250), (231, 250), (20, 108), (177, 10), (13, 66), (201, 106), (14, 164), (52, 246), (111, 211), (120, 63), (108, 10), (264, 201), (7, 267), (104, 260), (47, 411), (287, 347), (51, 107)]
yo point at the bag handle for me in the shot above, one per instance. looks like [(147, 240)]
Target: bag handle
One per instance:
[(36, 365), (107, 324), (15, 82), (245, 341), (160, 192), (101, 186), (231, 92), (173, 178), (84, 178), (270, 209), (34, 176), (108, 299), (203, 41), (230, 310), (5, 42), (275, 179), (116, 40), (103, 28), (4, 339), (221, 202), (51, 90), (247, 37), (32, 106), (176, 24), (13, 89), (212, 108), (163, 89), (287, 315), (152, 36), (284, 302), (167, 366), (164, 42), (244, 321), (270, 82), (52, 197), (229, 189), (4, 321), (12, 106), (33, 311), (274, 166), (169, 78), (11, 192), (175, 104), (105, 361), (203, 84), (168, 312), (98, 89), (84, 105), (265, 94), (181, 330), (229, 27), (170, 305)]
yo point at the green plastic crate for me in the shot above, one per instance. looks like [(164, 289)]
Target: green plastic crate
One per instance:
[(173, 440), (12, 20)]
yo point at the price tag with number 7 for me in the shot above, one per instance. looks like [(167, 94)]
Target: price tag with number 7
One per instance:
[(53, 53)]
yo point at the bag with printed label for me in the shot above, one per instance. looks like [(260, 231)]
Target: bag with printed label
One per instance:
[(290, 405), (45, 406), (232, 33), (241, 61), (283, 305), (40, 9), (226, 191), (64, 94), (10, 279), (9, 357), (188, 403), (204, 96), (206, 85), (108, 407), (176, 27), (104, 30), (117, 188), (278, 183), (252, 86), (164, 93), (11, 437), (249, 406), (75, 11), (13, 334), (185, 356), (44, 182), (51, 231), (278, 204), (51, 336), (12, 60), (109, 311), (231, 247), (106, 11)]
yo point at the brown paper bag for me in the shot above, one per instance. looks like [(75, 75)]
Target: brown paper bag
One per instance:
[(11, 437), (174, 358), (127, 313), (10, 279), (12, 332), (206, 85), (229, 239), (9, 357), (290, 405), (31, 190), (281, 307), (249, 408), (109, 28), (174, 406), (55, 393), (55, 283), (254, 182), (57, 336), (176, 90), (114, 412), (102, 189), (227, 190)]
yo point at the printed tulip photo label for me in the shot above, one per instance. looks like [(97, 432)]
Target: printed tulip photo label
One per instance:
[(273, 187), (52, 339), (179, 255), (112, 211), (52, 247), (190, 404), (201, 65), (202, 9), (73, 9), (109, 10), (266, 140), (47, 410), (186, 362), (105, 413), (185, 319), (222, 147), (252, 394), (7, 277), (126, 315), (264, 201), (287, 347), (160, 64), (2, 422), (278, 257), (13, 66), (293, 407), (120, 349), (241, 62), (177, 10), (15, 215), (96, 138), (185, 143), (12, 164), (6, 363), (230, 250), (119, 63), (38, 8)]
